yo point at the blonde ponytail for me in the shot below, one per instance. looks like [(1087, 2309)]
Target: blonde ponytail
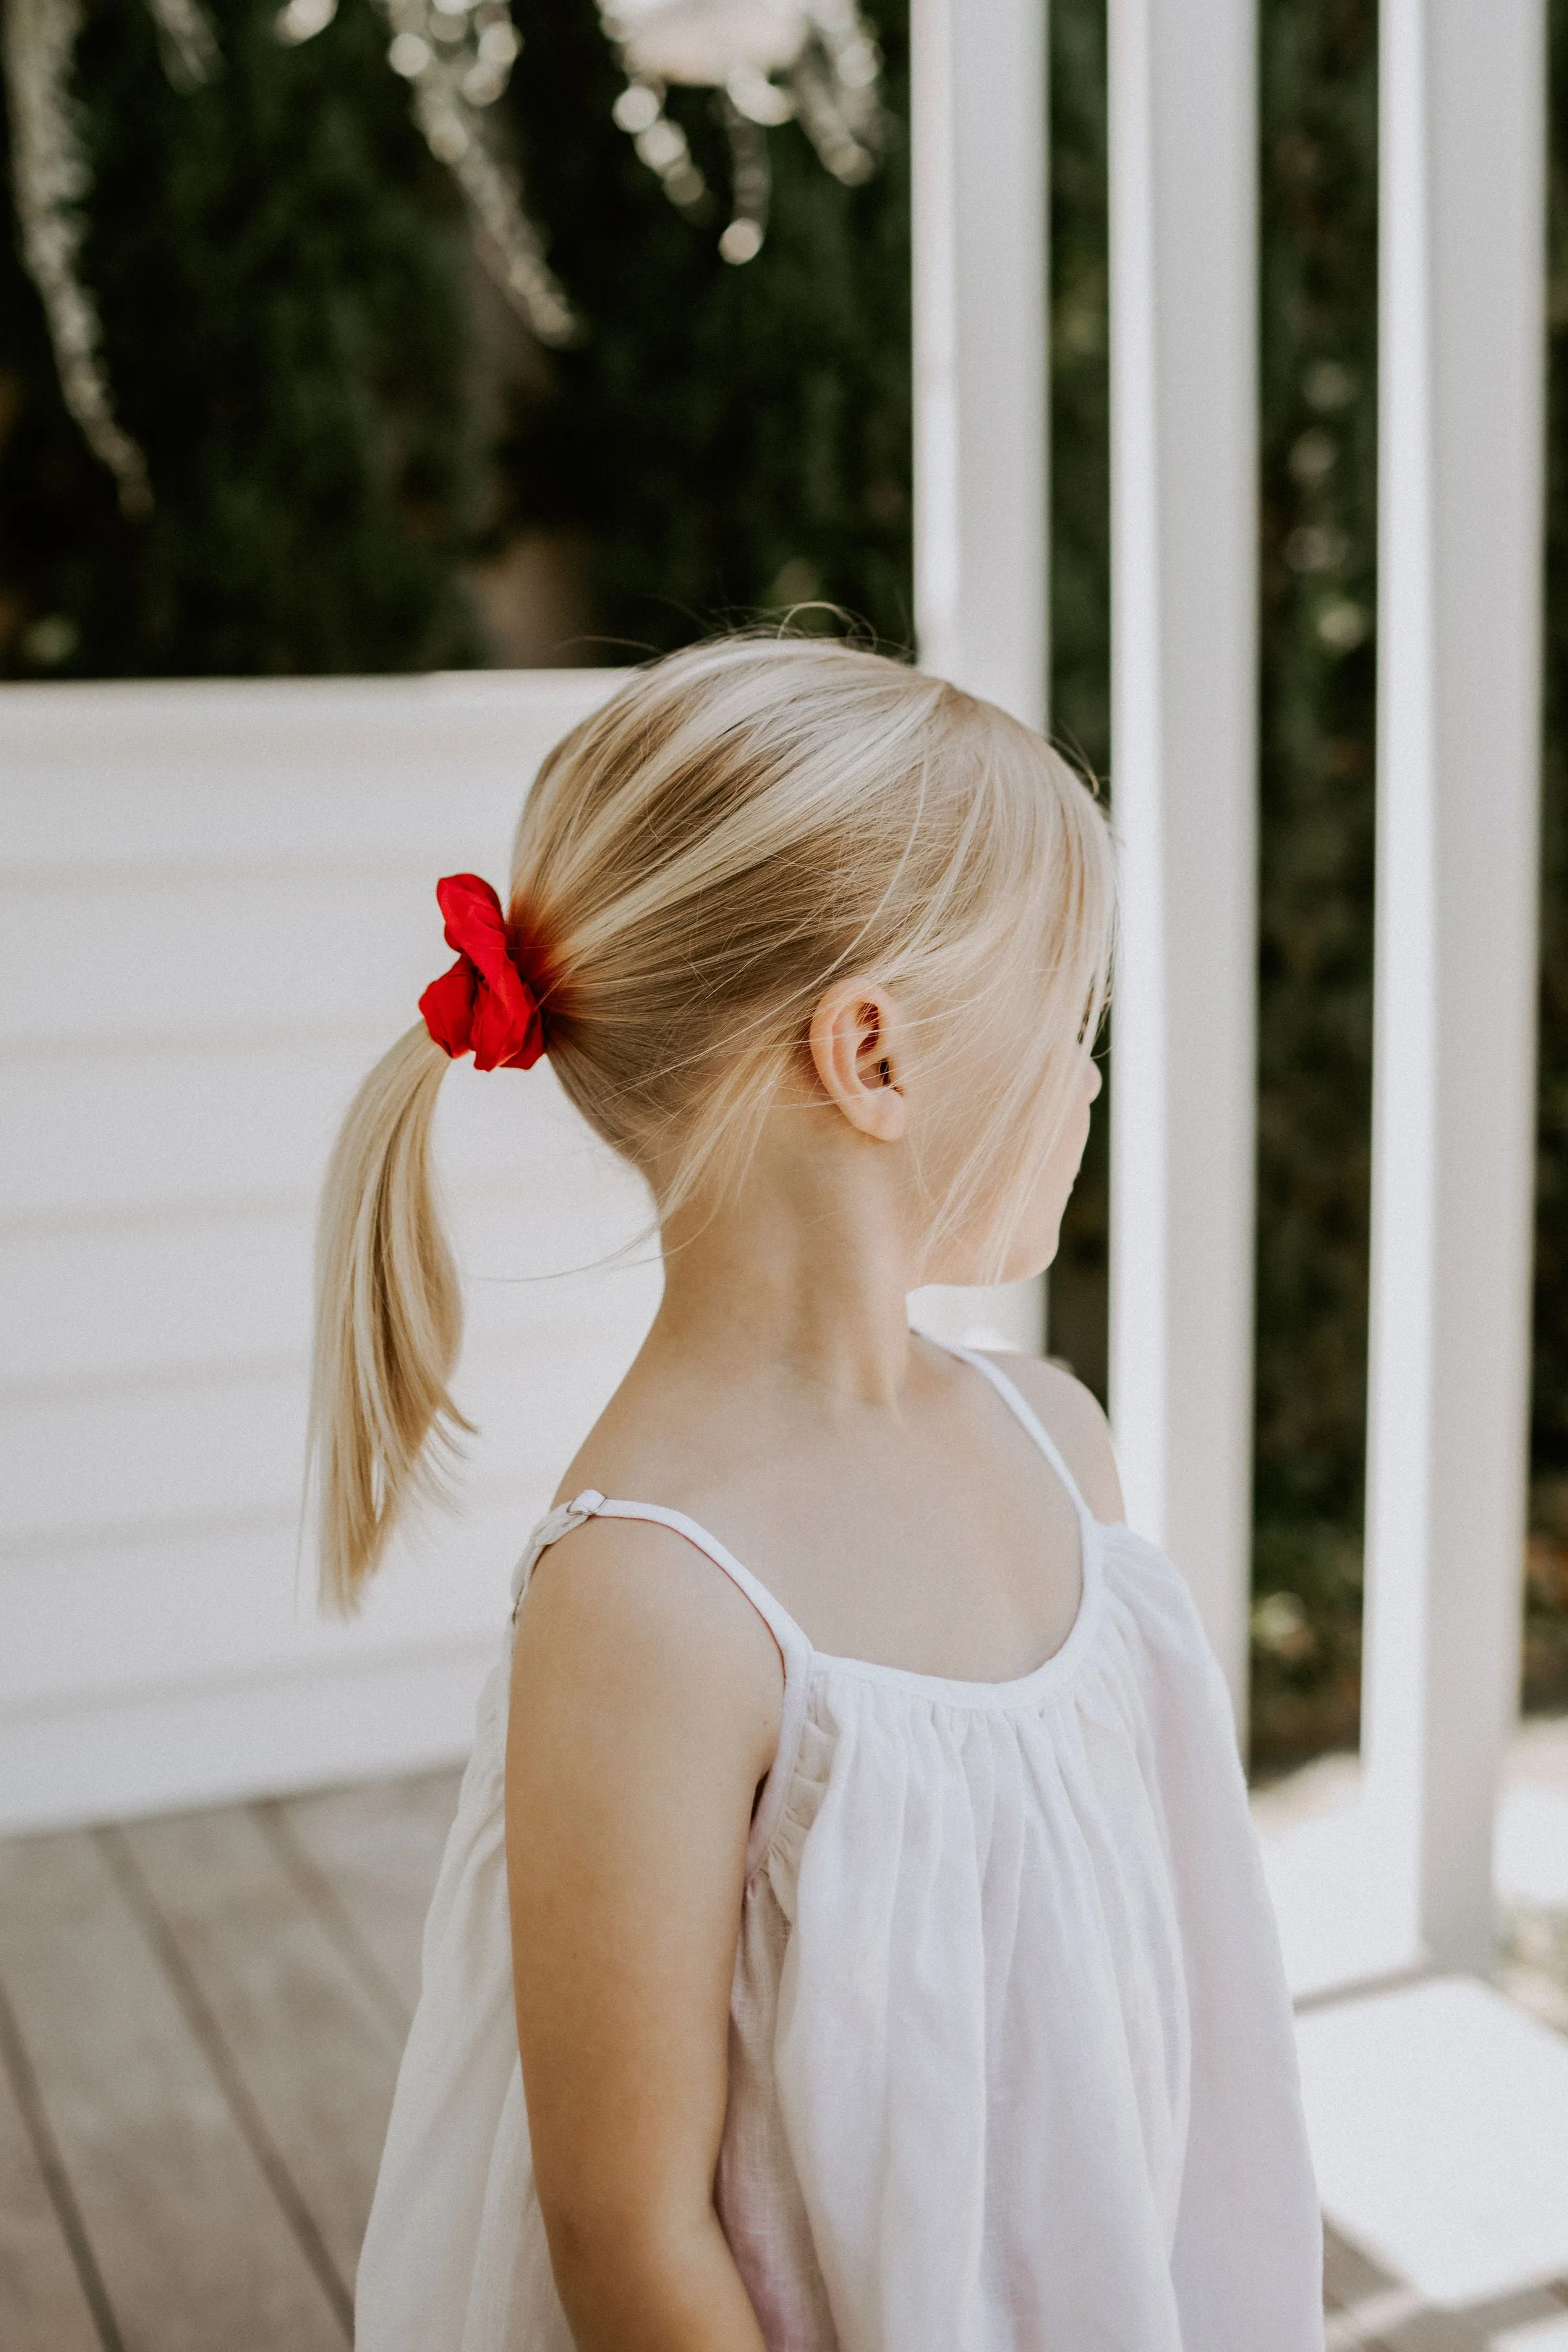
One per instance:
[(739, 825), (389, 1320)]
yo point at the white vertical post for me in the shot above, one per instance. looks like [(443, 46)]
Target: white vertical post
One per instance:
[(977, 106), (1183, 785), (1463, 116), (977, 74)]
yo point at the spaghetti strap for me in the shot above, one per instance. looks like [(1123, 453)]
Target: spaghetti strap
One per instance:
[(793, 1643), (1019, 1405), (794, 1648)]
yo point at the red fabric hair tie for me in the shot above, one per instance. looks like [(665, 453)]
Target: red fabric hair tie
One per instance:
[(486, 1003)]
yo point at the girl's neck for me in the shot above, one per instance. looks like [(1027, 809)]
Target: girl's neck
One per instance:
[(797, 1285)]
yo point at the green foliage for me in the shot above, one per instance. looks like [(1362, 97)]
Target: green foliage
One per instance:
[(1546, 1622), (724, 440), (291, 328), (281, 274), (1080, 566), (1080, 387), (1318, 349)]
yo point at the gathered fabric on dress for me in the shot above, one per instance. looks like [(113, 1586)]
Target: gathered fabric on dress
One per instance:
[(1011, 2059)]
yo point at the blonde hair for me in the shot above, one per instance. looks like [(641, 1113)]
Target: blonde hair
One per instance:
[(740, 824)]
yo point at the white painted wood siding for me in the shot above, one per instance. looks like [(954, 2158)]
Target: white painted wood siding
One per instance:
[(217, 909)]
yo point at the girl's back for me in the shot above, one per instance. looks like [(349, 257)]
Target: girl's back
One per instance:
[(906, 1980)]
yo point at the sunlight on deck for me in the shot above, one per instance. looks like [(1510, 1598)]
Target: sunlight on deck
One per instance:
[(1439, 2115)]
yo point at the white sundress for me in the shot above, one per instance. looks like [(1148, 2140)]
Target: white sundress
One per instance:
[(1011, 2060)]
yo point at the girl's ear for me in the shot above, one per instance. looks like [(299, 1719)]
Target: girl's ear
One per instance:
[(859, 1051)]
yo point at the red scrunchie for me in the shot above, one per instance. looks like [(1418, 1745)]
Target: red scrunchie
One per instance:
[(485, 1004)]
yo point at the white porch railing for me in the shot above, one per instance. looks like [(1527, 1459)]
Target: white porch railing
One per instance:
[(1462, 268), (1436, 2111), (1461, 365), (1183, 785), (1462, 202), (978, 76)]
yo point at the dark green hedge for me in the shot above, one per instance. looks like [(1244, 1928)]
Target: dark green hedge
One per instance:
[(723, 439), (282, 277), (1318, 490), (341, 427), (336, 418), (1546, 1623)]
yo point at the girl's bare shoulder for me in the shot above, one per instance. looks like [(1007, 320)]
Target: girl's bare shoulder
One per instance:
[(1071, 1414), (643, 1624)]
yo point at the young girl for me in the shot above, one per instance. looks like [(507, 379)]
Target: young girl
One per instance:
[(861, 1948)]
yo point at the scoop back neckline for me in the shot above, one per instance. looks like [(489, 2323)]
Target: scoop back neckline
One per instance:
[(808, 1664), (1015, 1690)]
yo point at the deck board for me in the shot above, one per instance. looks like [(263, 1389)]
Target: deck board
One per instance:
[(200, 2023), (42, 2300), (375, 1850), (191, 2246), (313, 2057)]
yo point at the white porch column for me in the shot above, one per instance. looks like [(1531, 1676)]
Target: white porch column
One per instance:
[(1461, 366), (977, 107), (978, 127), (1183, 458)]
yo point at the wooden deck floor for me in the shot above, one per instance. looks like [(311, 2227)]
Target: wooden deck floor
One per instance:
[(200, 2024)]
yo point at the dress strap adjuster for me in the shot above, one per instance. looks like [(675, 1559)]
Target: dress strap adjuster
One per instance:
[(560, 1522)]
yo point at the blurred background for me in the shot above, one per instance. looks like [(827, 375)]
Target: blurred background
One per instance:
[(338, 406), (365, 463)]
